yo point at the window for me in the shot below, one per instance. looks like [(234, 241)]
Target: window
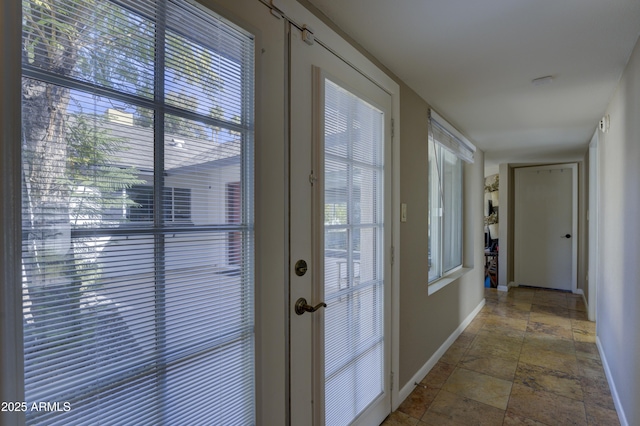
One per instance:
[(136, 117), (447, 150), (177, 204)]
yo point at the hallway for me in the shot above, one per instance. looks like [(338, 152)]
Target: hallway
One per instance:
[(528, 358)]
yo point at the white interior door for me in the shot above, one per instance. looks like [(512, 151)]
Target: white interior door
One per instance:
[(340, 227), (546, 226)]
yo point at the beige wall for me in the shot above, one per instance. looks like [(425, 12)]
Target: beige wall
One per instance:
[(427, 321), (618, 310)]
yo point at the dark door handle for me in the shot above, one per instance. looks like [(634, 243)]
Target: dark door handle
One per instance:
[(302, 307), (566, 236)]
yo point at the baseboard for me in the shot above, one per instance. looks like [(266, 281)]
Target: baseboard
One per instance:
[(503, 288), (612, 385), (408, 388), (580, 292)]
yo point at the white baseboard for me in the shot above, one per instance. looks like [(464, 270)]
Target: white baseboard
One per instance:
[(580, 292), (503, 288), (612, 386), (409, 386)]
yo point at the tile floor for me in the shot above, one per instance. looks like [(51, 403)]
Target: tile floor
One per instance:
[(528, 358)]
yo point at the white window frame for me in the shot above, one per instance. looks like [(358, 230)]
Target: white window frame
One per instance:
[(442, 138)]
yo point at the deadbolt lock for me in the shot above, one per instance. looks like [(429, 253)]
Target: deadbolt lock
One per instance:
[(301, 267)]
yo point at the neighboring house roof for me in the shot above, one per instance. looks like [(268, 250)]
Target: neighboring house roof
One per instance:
[(180, 151)]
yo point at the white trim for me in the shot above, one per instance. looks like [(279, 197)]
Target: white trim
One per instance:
[(445, 280), (395, 241), (574, 230), (593, 208), (584, 298), (444, 123), (504, 287), (417, 378), (614, 391)]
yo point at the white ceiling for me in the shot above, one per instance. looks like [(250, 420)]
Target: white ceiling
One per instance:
[(473, 62)]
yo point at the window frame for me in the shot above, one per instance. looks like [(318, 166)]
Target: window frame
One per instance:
[(445, 141), (163, 197)]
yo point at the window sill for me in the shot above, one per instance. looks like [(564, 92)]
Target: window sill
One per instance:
[(445, 280)]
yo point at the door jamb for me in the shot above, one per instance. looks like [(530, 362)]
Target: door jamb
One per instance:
[(574, 216), (592, 218)]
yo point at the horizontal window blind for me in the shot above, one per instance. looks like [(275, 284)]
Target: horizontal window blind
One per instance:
[(445, 190), (138, 235), (353, 241), (447, 136)]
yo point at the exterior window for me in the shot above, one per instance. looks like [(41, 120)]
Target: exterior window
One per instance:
[(177, 204), (445, 194), (136, 116)]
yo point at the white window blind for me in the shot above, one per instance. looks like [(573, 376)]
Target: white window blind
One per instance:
[(448, 137), (447, 150), (353, 242), (138, 261)]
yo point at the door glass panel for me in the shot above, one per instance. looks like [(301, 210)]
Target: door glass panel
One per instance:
[(354, 355)]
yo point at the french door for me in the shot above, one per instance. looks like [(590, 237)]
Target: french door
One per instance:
[(340, 239)]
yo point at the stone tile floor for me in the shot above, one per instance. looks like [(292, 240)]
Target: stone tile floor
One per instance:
[(528, 358)]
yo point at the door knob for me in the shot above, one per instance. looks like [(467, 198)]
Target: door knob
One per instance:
[(566, 236), (302, 306)]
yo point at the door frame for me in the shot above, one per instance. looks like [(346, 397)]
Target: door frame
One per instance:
[(593, 209), (574, 217)]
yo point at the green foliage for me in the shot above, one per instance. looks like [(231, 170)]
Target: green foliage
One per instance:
[(105, 44), (91, 155)]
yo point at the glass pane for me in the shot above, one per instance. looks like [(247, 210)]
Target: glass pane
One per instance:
[(452, 223), (336, 192), (200, 168), (116, 51), (354, 337), (336, 271), (435, 211)]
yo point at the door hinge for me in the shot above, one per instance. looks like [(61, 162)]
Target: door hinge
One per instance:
[(312, 178), (393, 254), (391, 381), (393, 127)]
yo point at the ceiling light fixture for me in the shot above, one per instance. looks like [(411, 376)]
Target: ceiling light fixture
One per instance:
[(542, 80)]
